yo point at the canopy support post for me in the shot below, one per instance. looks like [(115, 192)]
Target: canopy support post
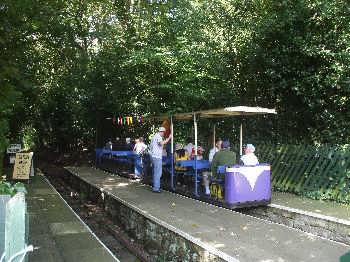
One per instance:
[(214, 135), (172, 153), (195, 154), (241, 139)]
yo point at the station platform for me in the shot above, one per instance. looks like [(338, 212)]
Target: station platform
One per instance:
[(322, 208), (322, 218), (56, 230), (226, 234)]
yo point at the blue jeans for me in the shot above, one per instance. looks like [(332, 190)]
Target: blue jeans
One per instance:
[(157, 172), (138, 166)]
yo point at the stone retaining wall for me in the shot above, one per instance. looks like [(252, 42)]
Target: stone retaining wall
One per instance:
[(329, 228), (159, 241)]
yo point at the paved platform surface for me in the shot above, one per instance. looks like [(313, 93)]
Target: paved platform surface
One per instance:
[(325, 208), (55, 229), (238, 236)]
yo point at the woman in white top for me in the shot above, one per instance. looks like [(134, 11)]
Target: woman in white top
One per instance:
[(249, 158)]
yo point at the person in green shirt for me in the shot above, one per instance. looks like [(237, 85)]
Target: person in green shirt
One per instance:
[(224, 157)]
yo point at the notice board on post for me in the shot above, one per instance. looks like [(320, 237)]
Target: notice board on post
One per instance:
[(12, 150), (23, 166)]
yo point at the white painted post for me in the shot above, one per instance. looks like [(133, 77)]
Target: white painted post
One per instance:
[(195, 134), (241, 140), (214, 136), (172, 152), (172, 133), (195, 155)]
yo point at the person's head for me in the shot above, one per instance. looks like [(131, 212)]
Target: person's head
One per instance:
[(218, 143), (225, 144), (141, 139), (178, 146), (200, 150), (137, 140), (181, 152), (249, 149), (189, 140), (161, 131)]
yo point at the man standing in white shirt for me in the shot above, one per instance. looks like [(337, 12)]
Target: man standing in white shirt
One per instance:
[(156, 147), (249, 158)]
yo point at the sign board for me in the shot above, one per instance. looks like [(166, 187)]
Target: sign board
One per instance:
[(23, 166), (14, 148)]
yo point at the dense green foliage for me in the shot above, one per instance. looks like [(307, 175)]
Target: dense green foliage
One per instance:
[(66, 65), (7, 189)]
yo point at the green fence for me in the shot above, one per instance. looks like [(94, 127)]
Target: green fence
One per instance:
[(319, 172)]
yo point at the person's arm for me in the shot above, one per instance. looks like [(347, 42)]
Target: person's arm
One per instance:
[(211, 154), (234, 158), (241, 161), (214, 165), (165, 141), (144, 148)]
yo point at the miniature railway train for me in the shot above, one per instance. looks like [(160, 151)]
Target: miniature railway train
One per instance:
[(241, 186), (238, 186)]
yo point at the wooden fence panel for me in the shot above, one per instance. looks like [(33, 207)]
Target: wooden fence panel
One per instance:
[(315, 171)]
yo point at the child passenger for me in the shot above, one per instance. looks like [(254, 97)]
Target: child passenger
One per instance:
[(180, 154)]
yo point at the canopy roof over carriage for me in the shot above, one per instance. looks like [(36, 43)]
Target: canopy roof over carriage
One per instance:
[(226, 112), (221, 113)]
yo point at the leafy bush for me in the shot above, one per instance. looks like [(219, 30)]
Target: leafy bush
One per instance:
[(7, 189)]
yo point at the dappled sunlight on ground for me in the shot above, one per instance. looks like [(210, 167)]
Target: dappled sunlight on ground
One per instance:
[(219, 245), (274, 260)]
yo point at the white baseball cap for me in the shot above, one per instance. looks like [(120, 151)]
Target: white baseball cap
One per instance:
[(162, 129)]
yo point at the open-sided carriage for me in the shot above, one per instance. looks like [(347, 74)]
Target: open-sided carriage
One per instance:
[(241, 185)]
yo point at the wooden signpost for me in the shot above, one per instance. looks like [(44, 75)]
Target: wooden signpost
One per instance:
[(23, 166)]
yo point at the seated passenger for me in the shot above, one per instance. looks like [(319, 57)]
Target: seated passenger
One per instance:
[(200, 151), (224, 157), (180, 154), (189, 146), (128, 145), (117, 144), (109, 144), (249, 158), (215, 149)]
